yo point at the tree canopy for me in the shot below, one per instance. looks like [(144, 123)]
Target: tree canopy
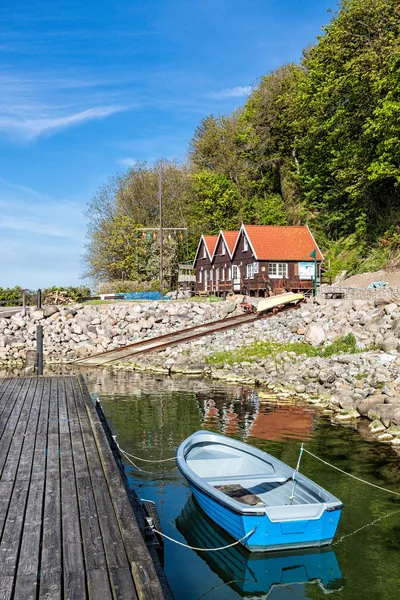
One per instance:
[(316, 142)]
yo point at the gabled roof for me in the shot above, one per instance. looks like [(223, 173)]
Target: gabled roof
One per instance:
[(229, 237), (279, 242), (210, 242)]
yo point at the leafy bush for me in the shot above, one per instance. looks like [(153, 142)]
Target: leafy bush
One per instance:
[(13, 296), (121, 287)]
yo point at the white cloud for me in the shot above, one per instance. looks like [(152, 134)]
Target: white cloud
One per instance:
[(31, 226), (34, 106), (236, 92), (32, 128), (127, 162)]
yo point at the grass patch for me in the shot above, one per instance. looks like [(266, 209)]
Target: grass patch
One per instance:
[(260, 350)]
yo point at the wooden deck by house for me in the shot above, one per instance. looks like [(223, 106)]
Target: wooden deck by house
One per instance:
[(67, 529)]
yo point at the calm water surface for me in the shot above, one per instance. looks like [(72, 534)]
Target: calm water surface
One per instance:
[(152, 415)]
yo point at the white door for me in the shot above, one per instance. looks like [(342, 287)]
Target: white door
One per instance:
[(236, 278)]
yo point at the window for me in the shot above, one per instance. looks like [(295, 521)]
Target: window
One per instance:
[(277, 270), (235, 272), (217, 275), (229, 273), (223, 274), (250, 271), (223, 249), (200, 276), (245, 244)]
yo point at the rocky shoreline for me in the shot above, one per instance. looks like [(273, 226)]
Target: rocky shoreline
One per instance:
[(345, 386)]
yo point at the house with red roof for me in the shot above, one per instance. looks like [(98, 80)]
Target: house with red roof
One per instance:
[(258, 260), (274, 258), (203, 262)]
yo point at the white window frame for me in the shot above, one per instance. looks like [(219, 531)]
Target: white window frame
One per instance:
[(200, 276), (277, 270), (237, 272), (222, 273), (217, 275), (204, 251), (245, 244), (250, 271), (223, 249), (229, 274)]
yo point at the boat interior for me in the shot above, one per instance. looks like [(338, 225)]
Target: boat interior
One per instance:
[(247, 478)]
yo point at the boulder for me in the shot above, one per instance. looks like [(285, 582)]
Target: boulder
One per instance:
[(50, 310), (365, 405), (314, 334), (384, 412), (377, 426)]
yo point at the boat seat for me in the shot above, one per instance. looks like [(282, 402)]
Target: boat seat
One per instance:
[(258, 478)]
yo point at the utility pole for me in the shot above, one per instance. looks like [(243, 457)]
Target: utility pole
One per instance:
[(161, 231)]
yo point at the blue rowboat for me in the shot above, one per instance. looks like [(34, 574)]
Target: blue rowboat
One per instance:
[(252, 495), (253, 575)]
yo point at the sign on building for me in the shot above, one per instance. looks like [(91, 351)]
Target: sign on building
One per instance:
[(306, 270)]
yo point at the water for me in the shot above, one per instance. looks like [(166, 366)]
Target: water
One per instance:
[(152, 415)]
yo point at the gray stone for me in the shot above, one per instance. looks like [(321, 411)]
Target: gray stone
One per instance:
[(37, 315), (50, 310), (365, 405), (390, 308), (390, 343), (376, 426), (383, 412), (315, 335)]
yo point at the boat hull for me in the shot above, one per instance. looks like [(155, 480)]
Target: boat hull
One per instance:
[(269, 536), (251, 495), (272, 302)]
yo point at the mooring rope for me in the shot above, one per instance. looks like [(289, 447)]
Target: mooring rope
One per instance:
[(204, 549), (374, 522), (158, 460), (378, 487), (127, 455)]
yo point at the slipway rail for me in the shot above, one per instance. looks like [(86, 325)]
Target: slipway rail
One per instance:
[(162, 342)]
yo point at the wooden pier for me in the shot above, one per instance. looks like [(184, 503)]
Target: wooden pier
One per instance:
[(67, 529)]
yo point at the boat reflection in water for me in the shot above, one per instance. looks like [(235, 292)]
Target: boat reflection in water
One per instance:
[(255, 575)]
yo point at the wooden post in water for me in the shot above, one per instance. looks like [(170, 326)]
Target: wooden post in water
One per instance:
[(39, 348)]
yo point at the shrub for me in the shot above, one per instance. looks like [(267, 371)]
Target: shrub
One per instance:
[(121, 287)]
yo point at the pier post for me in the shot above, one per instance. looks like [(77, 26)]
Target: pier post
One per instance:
[(39, 348), (39, 299)]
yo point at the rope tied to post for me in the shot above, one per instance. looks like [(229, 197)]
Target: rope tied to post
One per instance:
[(204, 549), (129, 457)]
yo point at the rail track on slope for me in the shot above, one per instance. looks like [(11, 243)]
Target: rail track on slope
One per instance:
[(162, 342)]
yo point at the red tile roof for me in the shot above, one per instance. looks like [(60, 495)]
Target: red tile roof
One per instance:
[(230, 239), (211, 242), (276, 242)]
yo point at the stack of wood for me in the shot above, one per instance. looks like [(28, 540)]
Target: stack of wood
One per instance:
[(57, 298)]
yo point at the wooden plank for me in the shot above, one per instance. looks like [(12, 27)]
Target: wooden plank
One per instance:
[(20, 457), (72, 551), (51, 558), (28, 562), (94, 554), (13, 435), (146, 580), (117, 560)]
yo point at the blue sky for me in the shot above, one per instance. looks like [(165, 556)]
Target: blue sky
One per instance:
[(88, 87)]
